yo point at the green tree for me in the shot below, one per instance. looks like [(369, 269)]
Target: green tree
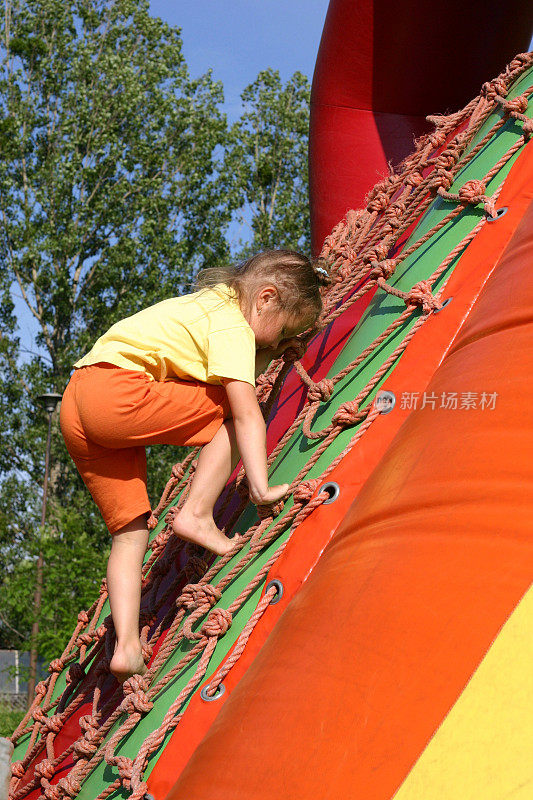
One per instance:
[(266, 163), (109, 201)]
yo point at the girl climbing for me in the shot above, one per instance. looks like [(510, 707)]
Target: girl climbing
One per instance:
[(182, 372)]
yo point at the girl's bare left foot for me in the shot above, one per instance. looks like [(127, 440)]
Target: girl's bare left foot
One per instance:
[(202, 531), (127, 661)]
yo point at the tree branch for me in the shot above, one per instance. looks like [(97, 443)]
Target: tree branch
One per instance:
[(11, 628)]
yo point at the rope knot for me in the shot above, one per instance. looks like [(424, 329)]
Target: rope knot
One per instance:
[(527, 127), (442, 179), (217, 623), (518, 61), (18, 770), (446, 160), (152, 521), (136, 701), (38, 715), (472, 192), (125, 768), (304, 492), (103, 586), (100, 632), (384, 269), (54, 723), (379, 188), (421, 294), (347, 414), (437, 138), (88, 724), (137, 683), (266, 511), (414, 178), (344, 273), (69, 786), (518, 105), (321, 391), (377, 253), (353, 218), (196, 594), (378, 203), (56, 665), (45, 769), (395, 214), (177, 471), (51, 793), (83, 618), (84, 749), (492, 88), (41, 689), (84, 639)]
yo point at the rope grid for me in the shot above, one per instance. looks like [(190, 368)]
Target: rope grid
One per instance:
[(362, 253)]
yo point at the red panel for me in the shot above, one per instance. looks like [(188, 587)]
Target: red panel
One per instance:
[(399, 62)]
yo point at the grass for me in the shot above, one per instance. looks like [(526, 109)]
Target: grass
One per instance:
[(9, 719)]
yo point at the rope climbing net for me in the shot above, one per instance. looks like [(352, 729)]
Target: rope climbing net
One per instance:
[(362, 254)]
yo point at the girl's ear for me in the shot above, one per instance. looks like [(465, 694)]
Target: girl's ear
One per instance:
[(266, 295)]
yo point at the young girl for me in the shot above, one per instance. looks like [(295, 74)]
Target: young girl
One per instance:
[(182, 372)]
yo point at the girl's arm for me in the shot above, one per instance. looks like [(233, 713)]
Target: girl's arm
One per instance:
[(250, 432)]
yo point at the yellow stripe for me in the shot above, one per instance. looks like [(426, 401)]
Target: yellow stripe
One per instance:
[(484, 748)]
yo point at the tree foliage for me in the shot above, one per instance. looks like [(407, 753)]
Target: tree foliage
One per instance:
[(266, 162)]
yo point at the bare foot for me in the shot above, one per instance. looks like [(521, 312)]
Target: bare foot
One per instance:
[(127, 661), (201, 530), (271, 496)]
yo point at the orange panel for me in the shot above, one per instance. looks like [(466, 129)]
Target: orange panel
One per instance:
[(430, 561)]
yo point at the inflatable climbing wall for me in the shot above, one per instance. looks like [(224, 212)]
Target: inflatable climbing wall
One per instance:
[(372, 636)]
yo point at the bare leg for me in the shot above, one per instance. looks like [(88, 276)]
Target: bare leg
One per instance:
[(124, 586), (194, 522)]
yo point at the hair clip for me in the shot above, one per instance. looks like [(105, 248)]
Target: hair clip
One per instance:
[(322, 270)]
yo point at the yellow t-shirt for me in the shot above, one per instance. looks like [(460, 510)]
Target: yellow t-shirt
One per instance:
[(203, 335)]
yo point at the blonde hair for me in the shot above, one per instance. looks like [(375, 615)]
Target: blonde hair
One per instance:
[(296, 277)]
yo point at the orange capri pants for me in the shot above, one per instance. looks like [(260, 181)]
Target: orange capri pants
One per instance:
[(109, 414)]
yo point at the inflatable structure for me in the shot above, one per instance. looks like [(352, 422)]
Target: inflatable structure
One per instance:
[(371, 636)]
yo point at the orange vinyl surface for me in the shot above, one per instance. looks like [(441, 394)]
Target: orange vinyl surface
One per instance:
[(431, 559)]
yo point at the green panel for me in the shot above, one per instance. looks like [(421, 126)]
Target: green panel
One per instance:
[(383, 309)]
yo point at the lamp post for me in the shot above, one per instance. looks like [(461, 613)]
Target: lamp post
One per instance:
[(49, 401)]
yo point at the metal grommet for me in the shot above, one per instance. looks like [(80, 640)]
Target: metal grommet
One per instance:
[(385, 401), (279, 587), (219, 692), (444, 304), (333, 489), (500, 212)]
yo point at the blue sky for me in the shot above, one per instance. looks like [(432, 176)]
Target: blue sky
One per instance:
[(238, 38)]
